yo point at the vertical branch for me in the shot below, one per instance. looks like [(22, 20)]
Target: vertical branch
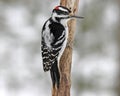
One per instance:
[(66, 59)]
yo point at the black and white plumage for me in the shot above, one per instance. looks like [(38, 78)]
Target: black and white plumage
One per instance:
[(54, 39)]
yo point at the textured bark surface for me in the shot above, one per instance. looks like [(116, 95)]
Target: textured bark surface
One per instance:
[(66, 59)]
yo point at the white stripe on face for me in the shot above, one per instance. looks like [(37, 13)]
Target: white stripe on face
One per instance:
[(56, 15), (62, 9)]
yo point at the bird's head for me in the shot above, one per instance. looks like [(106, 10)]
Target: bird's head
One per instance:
[(62, 13)]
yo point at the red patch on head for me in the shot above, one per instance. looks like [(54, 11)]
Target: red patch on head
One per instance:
[(57, 8)]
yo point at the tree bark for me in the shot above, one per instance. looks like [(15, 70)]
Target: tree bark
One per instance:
[(66, 59)]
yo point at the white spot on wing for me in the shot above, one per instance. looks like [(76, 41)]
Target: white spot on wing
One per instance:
[(47, 36)]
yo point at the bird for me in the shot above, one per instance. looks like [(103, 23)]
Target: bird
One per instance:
[(54, 37)]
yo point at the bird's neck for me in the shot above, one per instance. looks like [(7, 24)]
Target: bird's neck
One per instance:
[(56, 19), (59, 20)]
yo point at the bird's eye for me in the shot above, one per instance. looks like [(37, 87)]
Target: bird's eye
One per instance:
[(58, 11), (65, 13)]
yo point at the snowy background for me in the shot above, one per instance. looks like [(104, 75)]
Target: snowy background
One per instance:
[(95, 55)]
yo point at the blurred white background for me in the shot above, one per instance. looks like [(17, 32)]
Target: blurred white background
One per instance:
[(95, 68)]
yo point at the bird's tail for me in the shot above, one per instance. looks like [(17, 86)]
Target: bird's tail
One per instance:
[(55, 75)]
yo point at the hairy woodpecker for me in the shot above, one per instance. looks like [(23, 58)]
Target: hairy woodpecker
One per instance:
[(54, 39)]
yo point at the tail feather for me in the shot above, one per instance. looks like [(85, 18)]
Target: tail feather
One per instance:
[(52, 77), (55, 75)]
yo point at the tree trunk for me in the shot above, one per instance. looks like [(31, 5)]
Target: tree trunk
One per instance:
[(66, 59)]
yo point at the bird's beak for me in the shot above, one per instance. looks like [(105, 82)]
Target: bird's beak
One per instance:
[(73, 16)]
